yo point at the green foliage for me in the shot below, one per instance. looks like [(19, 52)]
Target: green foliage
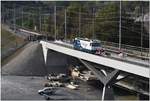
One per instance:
[(106, 21), (9, 40)]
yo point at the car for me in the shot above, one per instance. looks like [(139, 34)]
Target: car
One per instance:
[(54, 84), (76, 84), (62, 75), (71, 86), (47, 84), (47, 91), (52, 77), (63, 78)]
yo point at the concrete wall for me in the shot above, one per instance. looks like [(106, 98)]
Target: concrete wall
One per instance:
[(27, 63), (58, 62), (30, 62)]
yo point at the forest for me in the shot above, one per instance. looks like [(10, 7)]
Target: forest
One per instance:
[(88, 19)]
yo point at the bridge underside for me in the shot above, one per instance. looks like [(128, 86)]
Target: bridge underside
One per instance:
[(108, 79), (108, 62)]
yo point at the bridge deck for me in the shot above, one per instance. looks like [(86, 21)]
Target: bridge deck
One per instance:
[(123, 66), (114, 55)]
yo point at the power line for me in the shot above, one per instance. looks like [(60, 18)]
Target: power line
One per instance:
[(87, 13), (142, 29), (87, 18), (55, 21), (116, 35), (120, 28), (84, 17), (22, 17), (105, 21), (65, 25), (93, 24), (79, 21), (40, 19), (14, 18)]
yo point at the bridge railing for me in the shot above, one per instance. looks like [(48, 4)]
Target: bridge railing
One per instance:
[(129, 49)]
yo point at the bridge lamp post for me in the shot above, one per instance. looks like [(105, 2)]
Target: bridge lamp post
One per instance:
[(40, 19), (120, 27), (142, 28), (93, 23), (65, 25), (22, 17), (14, 18), (79, 21), (55, 22)]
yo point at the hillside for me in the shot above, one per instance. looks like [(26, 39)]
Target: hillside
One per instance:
[(98, 19), (9, 42)]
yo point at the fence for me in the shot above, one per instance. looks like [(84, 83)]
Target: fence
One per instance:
[(129, 49)]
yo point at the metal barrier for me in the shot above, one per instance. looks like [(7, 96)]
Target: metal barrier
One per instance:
[(129, 49)]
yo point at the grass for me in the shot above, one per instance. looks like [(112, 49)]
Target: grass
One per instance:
[(9, 40), (9, 44)]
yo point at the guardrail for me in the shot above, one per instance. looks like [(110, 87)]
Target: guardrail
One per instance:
[(128, 49)]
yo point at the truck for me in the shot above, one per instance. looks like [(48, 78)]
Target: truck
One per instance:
[(87, 45)]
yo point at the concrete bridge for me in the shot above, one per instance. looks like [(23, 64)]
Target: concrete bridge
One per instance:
[(107, 79)]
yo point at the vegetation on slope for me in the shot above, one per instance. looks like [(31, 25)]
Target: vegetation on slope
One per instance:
[(105, 14)]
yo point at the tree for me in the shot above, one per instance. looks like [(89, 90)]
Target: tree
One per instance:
[(107, 22)]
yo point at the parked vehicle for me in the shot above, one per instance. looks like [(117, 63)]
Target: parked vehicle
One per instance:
[(52, 77), (61, 78), (62, 75), (71, 86), (74, 84), (54, 84), (47, 91)]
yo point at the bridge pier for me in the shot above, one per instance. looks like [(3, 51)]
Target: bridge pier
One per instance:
[(106, 79), (45, 50), (107, 93)]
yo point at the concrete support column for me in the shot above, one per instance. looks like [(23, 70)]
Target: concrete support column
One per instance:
[(45, 50), (103, 94), (108, 93), (107, 80)]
